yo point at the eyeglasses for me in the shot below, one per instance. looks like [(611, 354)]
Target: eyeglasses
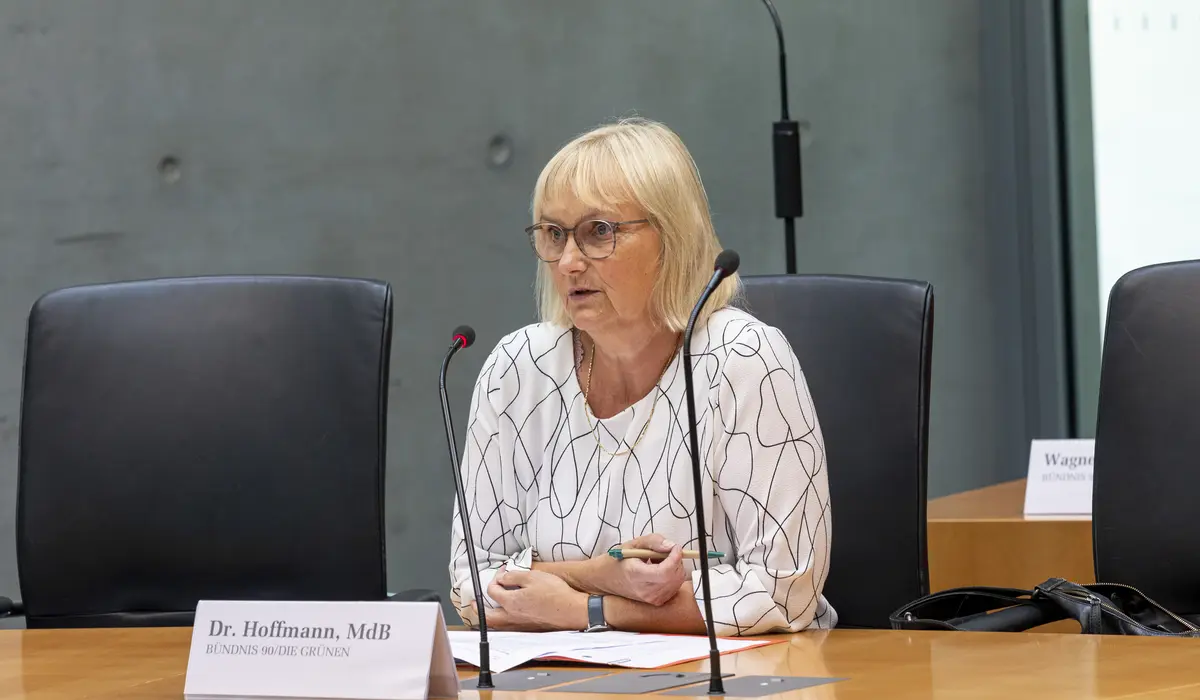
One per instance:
[(597, 239)]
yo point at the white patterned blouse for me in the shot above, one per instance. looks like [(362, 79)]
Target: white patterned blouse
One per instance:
[(539, 489)]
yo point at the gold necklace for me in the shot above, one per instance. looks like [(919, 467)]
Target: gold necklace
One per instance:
[(588, 408)]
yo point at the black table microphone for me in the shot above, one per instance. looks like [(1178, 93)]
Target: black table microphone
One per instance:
[(726, 265), (518, 679), (462, 338)]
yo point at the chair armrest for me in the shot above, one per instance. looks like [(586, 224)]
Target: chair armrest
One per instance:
[(10, 607), (12, 614), (419, 595)]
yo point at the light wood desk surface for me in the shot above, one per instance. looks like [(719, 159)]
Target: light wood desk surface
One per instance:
[(1004, 502), (151, 663), (983, 538)]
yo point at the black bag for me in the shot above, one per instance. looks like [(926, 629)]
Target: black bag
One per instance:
[(1100, 608)]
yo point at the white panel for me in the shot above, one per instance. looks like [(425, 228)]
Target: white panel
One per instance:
[(1145, 57)]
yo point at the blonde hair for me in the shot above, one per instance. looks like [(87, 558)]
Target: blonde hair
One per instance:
[(641, 162)]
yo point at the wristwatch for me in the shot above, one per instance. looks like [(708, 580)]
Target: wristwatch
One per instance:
[(596, 622)]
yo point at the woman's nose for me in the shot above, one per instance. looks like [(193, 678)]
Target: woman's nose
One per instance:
[(573, 260)]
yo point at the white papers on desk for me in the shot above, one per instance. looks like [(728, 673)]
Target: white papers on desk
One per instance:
[(625, 649)]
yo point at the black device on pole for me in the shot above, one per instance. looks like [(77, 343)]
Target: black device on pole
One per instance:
[(726, 264), (462, 337), (785, 141)]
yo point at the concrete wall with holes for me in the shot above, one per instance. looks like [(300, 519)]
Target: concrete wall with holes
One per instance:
[(401, 140)]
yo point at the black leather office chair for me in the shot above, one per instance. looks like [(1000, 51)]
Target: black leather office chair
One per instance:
[(218, 438), (1145, 529), (865, 345)]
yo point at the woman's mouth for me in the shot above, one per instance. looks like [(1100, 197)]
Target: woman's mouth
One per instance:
[(581, 293)]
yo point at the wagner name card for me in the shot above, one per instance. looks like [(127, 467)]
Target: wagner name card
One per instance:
[(1060, 477), (364, 650)]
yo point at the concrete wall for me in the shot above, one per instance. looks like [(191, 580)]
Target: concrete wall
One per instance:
[(356, 139)]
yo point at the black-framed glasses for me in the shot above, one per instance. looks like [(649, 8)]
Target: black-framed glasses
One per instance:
[(596, 238)]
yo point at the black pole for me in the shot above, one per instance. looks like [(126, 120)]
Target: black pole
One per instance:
[(783, 96), (789, 191), (789, 244)]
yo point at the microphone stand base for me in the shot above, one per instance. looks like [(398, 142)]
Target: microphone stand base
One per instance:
[(754, 686), (532, 679), (636, 682)]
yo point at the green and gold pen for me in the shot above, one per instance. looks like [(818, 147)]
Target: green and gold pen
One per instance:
[(631, 553)]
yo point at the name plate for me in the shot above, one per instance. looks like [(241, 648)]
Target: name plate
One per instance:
[(1060, 477), (363, 650)]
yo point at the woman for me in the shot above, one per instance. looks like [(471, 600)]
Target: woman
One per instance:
[(577, 439)]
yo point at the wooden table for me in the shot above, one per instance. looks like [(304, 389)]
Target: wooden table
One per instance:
[(151, 663), (982, 538)]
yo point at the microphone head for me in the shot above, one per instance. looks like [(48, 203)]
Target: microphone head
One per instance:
[(466, 333), (727, 262)]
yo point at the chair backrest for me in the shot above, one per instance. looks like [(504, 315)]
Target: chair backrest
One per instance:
[(214, 437), (1145, 531), (865, 345)]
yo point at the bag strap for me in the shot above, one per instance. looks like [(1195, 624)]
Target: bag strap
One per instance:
[(976, 608)]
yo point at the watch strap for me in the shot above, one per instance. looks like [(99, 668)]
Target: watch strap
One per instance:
[(596, 621)]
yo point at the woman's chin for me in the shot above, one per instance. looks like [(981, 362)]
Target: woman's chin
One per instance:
[(585, 319)]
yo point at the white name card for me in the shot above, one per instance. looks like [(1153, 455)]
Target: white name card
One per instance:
[(362, 650), (1060, 477)]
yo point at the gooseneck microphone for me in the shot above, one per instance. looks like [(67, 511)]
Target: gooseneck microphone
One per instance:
[(726, 265), (462, 337), (789, 194)]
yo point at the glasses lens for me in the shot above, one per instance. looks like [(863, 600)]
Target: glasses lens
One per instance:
[(595, 238), (548, 241)]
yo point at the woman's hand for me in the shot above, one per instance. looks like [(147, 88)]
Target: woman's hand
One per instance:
[(653, 582), (535, 601)]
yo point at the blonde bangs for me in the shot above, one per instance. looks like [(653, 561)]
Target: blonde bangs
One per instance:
[(640, 162), (589, 173)]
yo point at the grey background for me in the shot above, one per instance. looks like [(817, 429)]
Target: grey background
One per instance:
[(352, 139)]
